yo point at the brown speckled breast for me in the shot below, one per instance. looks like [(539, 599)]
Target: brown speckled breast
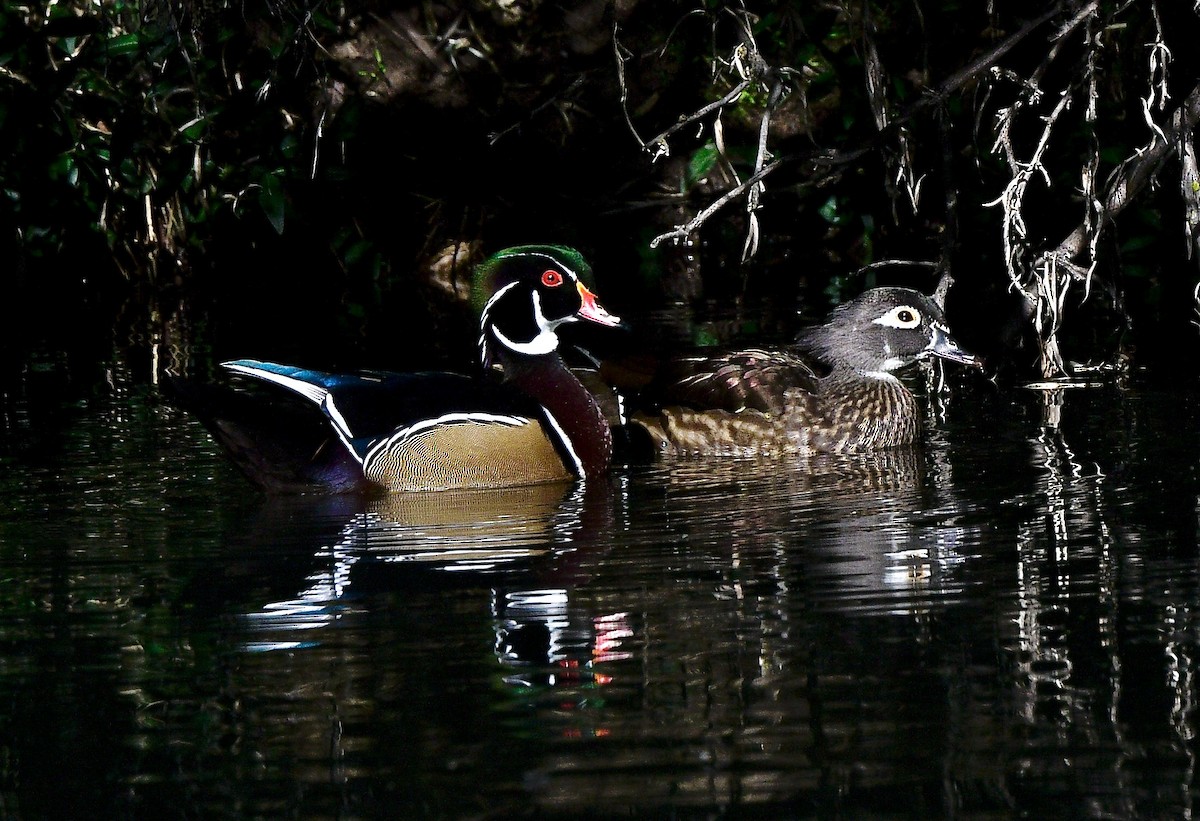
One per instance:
[(864, 415), (467, 454)]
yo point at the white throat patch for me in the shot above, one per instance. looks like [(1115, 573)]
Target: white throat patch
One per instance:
[(546, 340)]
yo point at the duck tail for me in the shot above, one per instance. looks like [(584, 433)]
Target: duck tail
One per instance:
[(280, 442)]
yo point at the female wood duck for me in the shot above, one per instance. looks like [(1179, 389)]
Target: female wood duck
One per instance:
[(528, 420), (833, 391)]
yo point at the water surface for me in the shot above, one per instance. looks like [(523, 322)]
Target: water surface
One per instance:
[(1000, 623)]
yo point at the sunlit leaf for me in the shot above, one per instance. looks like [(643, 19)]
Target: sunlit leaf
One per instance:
[(122, 45)]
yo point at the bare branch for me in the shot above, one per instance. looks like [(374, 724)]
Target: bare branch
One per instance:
[(1013, 230), (1056, 267), (822, 164), (1189, 189), (981, 64), (553, 100), (1196, 299), (1160, 58), (1084, 14), (682, 232), (1131, 176), (888, 263), (659, 143)]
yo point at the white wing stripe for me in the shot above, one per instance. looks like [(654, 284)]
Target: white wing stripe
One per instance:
[(339, 426), (313, 393), (566, 442)]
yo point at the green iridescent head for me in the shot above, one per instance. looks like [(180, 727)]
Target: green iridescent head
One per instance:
[(511, 264), (524, 294)]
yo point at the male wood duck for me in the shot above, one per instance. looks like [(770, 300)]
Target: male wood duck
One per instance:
[(834, 391), (526, 421)]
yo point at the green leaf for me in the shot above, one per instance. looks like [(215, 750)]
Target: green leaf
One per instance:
[(123, 45), (829, 211), (271, 198), (356, 252), (701, 163), (1137, 243), (62, 166), (703, 337), (195, 129)]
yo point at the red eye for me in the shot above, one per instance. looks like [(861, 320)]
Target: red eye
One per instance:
[(552, 279)]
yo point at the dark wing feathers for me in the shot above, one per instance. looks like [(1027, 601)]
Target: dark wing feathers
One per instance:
[(374, 404), (749, 379), (374, 409), (281, 430)]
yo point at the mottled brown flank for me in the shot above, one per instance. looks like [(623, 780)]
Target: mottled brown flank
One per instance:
[(844, 415), (468, 455), (831, 392)]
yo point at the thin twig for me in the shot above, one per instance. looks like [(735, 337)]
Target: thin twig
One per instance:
[(682, 232), (888, 263), (496, 136), (621, 58), (1131, 176), (660, 142)]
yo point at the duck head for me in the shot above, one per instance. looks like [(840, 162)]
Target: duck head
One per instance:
[(523, 295), (884, 330)]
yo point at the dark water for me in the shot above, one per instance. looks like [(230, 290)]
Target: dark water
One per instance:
[(1000, 624)]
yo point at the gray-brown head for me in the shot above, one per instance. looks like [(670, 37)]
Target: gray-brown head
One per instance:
[(883, 330)]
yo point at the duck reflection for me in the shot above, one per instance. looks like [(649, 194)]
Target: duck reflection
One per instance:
[(527, 532), (869, 533), (544, 644), (843, 522), (707, 607)]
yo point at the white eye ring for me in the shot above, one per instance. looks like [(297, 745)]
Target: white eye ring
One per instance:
[(904, 316)]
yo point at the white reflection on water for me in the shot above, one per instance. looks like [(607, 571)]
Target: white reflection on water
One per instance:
[(456, 531)]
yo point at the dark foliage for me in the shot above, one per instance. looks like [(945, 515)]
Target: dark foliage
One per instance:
[(300, 179)]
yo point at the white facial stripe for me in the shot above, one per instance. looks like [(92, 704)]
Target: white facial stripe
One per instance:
[(542, 323), (904, 316), (488, 307), (483, 320), (555, 263), (545, 342)]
